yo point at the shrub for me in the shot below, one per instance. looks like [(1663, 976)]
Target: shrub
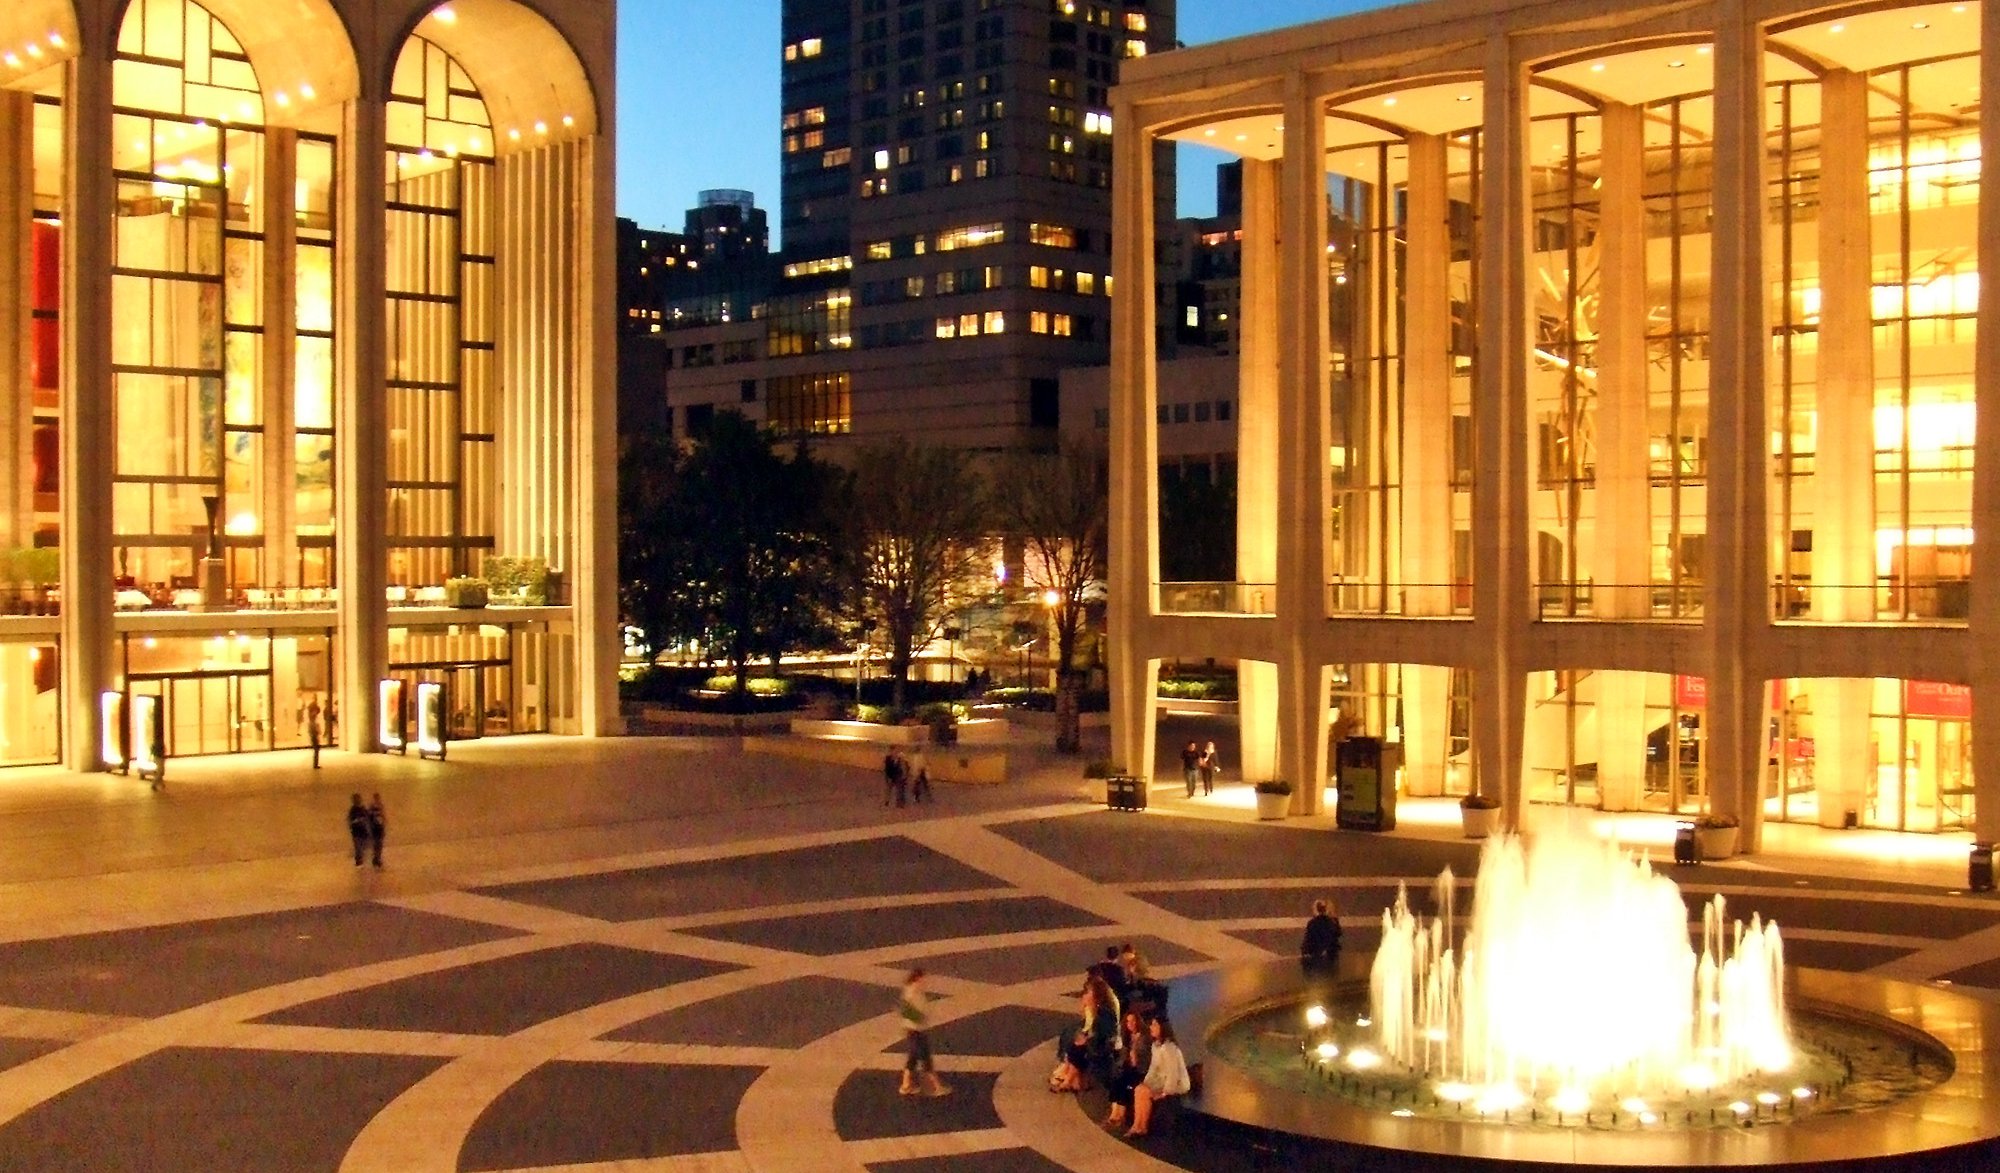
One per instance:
[(1199, 688), (465, 592), (758, 686), (1479, 802), (1039, 700), (1274, 786), (1716, 822), (1101, 768)]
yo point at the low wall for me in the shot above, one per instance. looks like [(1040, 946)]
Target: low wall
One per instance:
[(975, 732), (980, 766)]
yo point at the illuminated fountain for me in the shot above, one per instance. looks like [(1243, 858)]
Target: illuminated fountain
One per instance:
[(1576, 981), (1573, 1019)]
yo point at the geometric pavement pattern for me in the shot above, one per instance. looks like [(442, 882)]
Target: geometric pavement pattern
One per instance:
[(733, 1010)]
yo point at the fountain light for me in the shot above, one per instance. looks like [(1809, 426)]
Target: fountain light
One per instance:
[(1571, 1101), (1361, 1059), (1648, 1118), (1326, 1051), (1402, 1112), (1455, 1092), (1769, 1099), (1802, 1093), (1316, 1016), (1364, 1022), (1740, 1107), (1696, 1077), (1633, 1104), (1500, 1098)]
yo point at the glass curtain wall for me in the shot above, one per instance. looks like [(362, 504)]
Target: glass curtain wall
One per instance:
[(313, 443), (1387, 482), (187, 299), (442, 400)]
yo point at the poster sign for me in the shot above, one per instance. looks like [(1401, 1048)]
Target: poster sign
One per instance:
[(111, 726), (1691, 692), (149, 743), (389, 730), (1935, 698), (430, 720)]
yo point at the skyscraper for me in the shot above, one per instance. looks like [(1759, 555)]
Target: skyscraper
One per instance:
[(946, 216)]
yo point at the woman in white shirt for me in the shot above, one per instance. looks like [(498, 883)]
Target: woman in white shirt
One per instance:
[(1166, 1075)]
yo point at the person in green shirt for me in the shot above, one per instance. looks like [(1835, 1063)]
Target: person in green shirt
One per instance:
[(919, 1067)]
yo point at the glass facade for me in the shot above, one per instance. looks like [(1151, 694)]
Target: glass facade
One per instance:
[(1613, 556)]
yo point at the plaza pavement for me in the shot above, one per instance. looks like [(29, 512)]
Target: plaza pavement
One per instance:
[(664, 956)]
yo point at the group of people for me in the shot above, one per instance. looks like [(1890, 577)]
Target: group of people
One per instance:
[(368, 826), (904, 781), (1124, 1040), (1200, 764)]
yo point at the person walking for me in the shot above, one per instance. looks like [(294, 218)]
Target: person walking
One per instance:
[(312, 728), (1211, 764), (1191, 766), (357, 827), (378, 826), (920, 787), (1319, 950), (919, 1065), (895, 777)]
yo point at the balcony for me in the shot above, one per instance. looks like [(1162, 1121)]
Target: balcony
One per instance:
[(1663, 602), (1946, 601), (1216, 598)]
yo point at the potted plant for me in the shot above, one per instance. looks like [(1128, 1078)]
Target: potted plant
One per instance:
[(465, 592), (1274, 799), (1715, 835), (1480, 813)]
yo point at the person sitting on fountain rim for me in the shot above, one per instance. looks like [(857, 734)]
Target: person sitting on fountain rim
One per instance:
[(1319, 951)]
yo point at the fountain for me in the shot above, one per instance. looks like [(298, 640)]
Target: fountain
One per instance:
[(1577, 979), (1573, 1018)]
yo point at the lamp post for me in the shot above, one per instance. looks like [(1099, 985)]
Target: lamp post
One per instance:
[(952, 633)]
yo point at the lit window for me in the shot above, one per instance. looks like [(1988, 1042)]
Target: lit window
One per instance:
[(837, 157), (1038, 322), (815, 115), (1193, 316), (1053, 235), (1086, 283), (947, 327), (968, 325), (1038, 276), (1135, 22), (996, 322), (811, 45), (971, 236), (882, 159), (1060, 323), (1135, 48), (879, 250)]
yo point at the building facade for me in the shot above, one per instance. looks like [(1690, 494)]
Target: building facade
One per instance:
[(947, 221), (309, 310), (1606, 407)]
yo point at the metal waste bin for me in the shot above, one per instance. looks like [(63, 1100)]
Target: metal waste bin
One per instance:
[(1979, 872), (1685, 851), (1124, 792), (1364, 773)]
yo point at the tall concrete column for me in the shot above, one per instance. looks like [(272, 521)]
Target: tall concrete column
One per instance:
[(1134, 520), (17, 220), (1984, 637), (278, 495), (1257, 429), (1735, 600), (600, 642), (1303, 517), (1621, 535), (1502, 531), (89, 442), (1843, 484), (1426, 461), (361, 415)]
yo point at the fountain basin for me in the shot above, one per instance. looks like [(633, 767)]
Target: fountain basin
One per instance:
[(1951, 1124)]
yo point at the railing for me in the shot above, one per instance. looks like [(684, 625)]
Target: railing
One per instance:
[(181, 598), (1668, 602), (30, 601), (1216, 598), (1424, 599), (1885, 600)]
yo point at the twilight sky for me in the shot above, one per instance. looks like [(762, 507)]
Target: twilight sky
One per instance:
[(698, 96)]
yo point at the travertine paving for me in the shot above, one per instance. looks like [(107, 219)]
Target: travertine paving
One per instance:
[(663, 957)]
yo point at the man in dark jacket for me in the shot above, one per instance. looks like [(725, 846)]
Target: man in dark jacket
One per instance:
[(1320, 950)]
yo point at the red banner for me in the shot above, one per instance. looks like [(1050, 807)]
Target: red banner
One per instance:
[(1935, 698), (1691, 692)]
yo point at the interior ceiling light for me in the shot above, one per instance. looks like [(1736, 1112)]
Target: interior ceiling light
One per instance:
[(56, 39), (1388, 101), (1465, 97), (1209, 133), (1597, 67), (1838, 28), (445, 15), (1701, 50), (1920, 25), (1676, 65)]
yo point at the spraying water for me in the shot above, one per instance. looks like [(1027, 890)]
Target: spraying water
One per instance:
[(1576, 980)]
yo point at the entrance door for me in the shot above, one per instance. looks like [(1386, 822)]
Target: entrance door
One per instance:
[(216, 713)]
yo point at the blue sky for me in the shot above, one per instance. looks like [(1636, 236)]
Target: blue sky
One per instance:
[(698, 96)]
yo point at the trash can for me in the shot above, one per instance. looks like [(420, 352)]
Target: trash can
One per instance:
[(1684, 845), (1364, 773), (1124, 792), (1979, 872)]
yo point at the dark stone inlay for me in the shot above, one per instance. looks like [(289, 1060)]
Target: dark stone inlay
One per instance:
[(145, 973), (1004, 1031), (1285, 942), (503, 995), (1244, 903), (14, 1052), (1839, 955), (218, 1111), (885, 867), (897, 924), (867, 1107), (1027, 963), (783, 1014), (1869, 916), (565, 1114), (1099, 845), (1986, 973), (993, 1161)]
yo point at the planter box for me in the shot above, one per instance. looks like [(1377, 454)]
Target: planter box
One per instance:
[(1478, 821), (1716, 842), (1273, 806)]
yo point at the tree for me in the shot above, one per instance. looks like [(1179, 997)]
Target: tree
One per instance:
[(648, 471), (739, 546), (1058, 503), (919, 513)]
